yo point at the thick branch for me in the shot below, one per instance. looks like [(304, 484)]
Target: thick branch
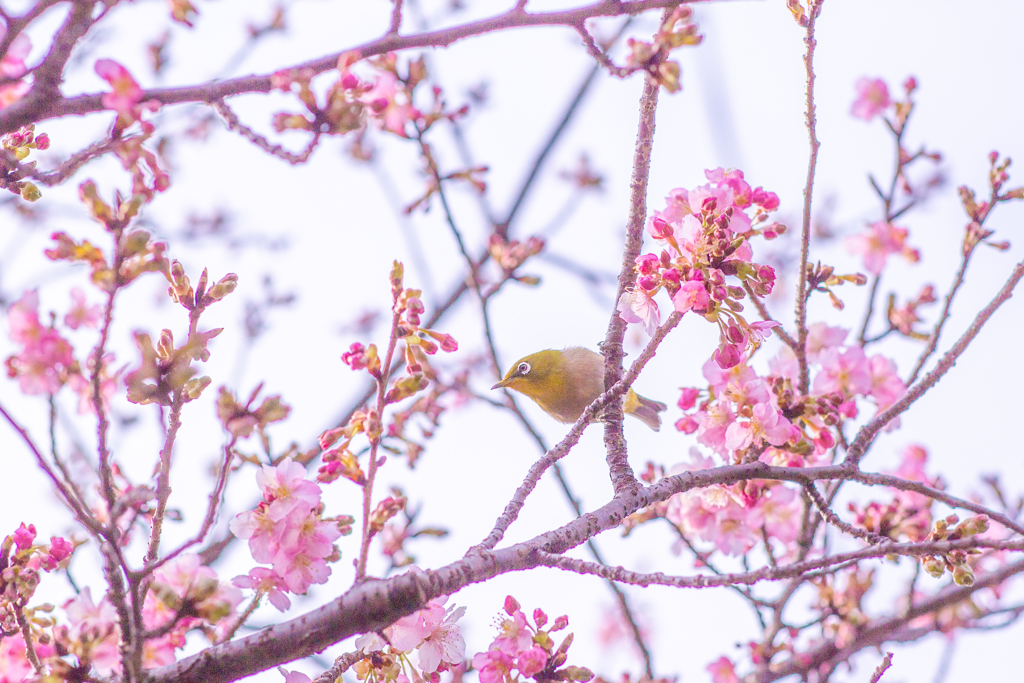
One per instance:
[(36, 108)]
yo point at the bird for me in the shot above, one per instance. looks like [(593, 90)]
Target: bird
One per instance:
[(563, 383)]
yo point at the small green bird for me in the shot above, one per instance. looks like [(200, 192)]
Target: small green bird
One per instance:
[(563, 383)]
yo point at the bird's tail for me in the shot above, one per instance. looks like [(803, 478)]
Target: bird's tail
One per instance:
[(644, 409)]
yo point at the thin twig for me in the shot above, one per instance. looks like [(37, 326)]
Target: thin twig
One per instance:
[(867, 433), (810, 119), (881, 668), (832, 518)]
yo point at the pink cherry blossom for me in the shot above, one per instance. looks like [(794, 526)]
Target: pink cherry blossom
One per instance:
[(638, 307), (407, 633), (286, 488), (877, 242), (845, 371), (44, 363), (300, 569), (722, 671), (294, 676), (13, 66), (515, 635), (886, 385), (821, 337), (692, 296), (260, 531), (785, 364), (97, 625), (782, 512), (719, 377), (872, 98), (126, 92), (765, 424), (760, 330), (267, 582), (494, 666), (81, 314), (714, 423), (444, 643), (389, 104), (532, 661), (15, 666)]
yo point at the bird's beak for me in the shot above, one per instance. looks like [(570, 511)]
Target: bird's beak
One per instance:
[(502, 384)]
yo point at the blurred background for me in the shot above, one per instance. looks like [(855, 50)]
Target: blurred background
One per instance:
[(312, 245)]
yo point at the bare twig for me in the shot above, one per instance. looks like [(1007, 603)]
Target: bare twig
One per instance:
[(881, 668), (867, 433), (813, 10)]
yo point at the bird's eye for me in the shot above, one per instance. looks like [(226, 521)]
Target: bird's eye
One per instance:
[(523, 368)]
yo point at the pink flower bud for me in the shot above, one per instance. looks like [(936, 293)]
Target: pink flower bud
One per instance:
[(42, 141), (687, 425), (539, 618), (24, 535), (647, 264), (379, 105), (708, 205), (59, 548), (349, 81), (511, 605), (734, 334), (727, 356), (671, 275), (647, 282), (330, 437), (660, 229), (910, 84), (688, 399)]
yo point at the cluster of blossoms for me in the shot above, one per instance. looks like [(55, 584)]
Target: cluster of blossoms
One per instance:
[(418, 342), (527, 650), (743, 416), (676, 31), (288, 531), (46, 362), (183, 596), (21, 560), (706, 232), (386, 98), (20, 144), (432, 632), (744, 411)]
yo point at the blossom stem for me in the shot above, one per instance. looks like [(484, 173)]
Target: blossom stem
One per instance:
[(810, 117)]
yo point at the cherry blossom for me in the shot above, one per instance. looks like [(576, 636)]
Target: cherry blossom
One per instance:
[(877, 242), (872, 98), (637, 307)]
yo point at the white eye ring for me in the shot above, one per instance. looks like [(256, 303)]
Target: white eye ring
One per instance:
[(523, 369)]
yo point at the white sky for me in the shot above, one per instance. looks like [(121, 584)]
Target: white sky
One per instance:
[(741, 106)]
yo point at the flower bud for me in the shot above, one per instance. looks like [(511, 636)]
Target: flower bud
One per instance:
[(934, 567), (511, 605), (660, 228), (963, 575)]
